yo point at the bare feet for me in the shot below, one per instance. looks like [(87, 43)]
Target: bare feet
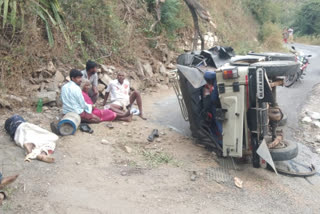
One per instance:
[(45, 158), (142, 117), (8, 180)]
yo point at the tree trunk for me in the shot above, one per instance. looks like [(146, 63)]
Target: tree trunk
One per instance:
[(196, 10)]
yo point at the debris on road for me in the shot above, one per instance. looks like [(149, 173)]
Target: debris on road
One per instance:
[(238, 182)]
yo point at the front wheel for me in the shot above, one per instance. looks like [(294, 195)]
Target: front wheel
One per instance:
[(290, 79)]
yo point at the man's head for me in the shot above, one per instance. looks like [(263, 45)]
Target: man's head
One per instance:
[(91, 67), (121, 76), (210, 77), (76, 76), (85, 85)]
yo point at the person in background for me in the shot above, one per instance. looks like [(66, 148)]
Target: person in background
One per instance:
[(103, 114), (90, 73), (290, 32), (285, 35), (73, 101), (211, 102), (121, 98)]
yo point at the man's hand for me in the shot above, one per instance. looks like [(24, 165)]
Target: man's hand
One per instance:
[(105, 98), (95, 90)]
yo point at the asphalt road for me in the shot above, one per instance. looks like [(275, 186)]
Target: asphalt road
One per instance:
[(275, 194)]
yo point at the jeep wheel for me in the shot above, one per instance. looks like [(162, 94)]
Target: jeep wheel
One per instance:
[(287, 151), (272, 56), (278, 68)]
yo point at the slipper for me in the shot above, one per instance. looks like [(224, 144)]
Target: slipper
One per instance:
[(134, 111), (154, 134), (85, 128)]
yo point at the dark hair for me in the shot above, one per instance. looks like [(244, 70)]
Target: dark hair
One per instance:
[(75, 73), (90, 65)]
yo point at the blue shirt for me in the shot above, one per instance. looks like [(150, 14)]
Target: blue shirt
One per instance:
[(72, 99)]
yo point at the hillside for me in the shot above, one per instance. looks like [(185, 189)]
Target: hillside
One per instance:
[(36, 41)]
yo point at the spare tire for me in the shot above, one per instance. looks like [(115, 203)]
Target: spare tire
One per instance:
[(245, 60), (289, 152), (278, 68), (273, 56)]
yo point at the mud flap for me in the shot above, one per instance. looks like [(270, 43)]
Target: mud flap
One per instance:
[(264, 153)]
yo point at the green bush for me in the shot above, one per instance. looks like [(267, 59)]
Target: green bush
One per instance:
[(264, 10), (307, 20), (170, 20)]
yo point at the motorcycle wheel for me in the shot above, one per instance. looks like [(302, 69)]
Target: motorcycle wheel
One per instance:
[(290, 79)]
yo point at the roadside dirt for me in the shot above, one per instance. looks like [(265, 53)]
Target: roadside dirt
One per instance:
[(118, 171)]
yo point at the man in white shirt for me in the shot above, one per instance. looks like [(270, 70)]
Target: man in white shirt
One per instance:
[(120, 94)]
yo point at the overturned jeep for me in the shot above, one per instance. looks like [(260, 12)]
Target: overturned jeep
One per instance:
[(231, 103)]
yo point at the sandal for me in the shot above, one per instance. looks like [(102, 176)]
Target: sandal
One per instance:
[(84, 127)]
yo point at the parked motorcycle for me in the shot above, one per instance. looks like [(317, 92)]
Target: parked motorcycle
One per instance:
[(303, 60)]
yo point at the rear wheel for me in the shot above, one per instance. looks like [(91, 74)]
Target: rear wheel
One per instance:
[(287, 151), (278, 68)]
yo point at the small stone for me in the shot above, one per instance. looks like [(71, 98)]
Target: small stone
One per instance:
[(123, 173), (171, 66), (314, 115), (104, 142), (129, 135), (306, 120), (78, 163), (317, 138), (316, 124), (128, 149), (158, 140), (162, 133)]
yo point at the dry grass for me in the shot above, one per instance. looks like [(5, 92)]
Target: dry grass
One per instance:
[(309, 40)]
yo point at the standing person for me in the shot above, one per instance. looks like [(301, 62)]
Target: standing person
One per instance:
[(285, 35), (90, 73), (120, 95), (290, 32), (73, 101)]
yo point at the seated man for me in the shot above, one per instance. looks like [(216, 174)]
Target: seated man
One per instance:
[(210, 103), (104, 114), (90, 73), (73, 101), (120, 98)]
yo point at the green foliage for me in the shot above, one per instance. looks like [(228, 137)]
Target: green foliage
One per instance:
[(48, 11), (95, 26), (264, 10), (307, 20), (170, 20)]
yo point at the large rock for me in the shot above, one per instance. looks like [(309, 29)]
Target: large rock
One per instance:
[(58, 77), (52, 86), (107, 69), (105, 79), (139, 67), (148, 71), (101, 87), (46, 97)]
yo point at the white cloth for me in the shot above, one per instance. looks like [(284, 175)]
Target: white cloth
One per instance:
[(119, 91), (41, 138)]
